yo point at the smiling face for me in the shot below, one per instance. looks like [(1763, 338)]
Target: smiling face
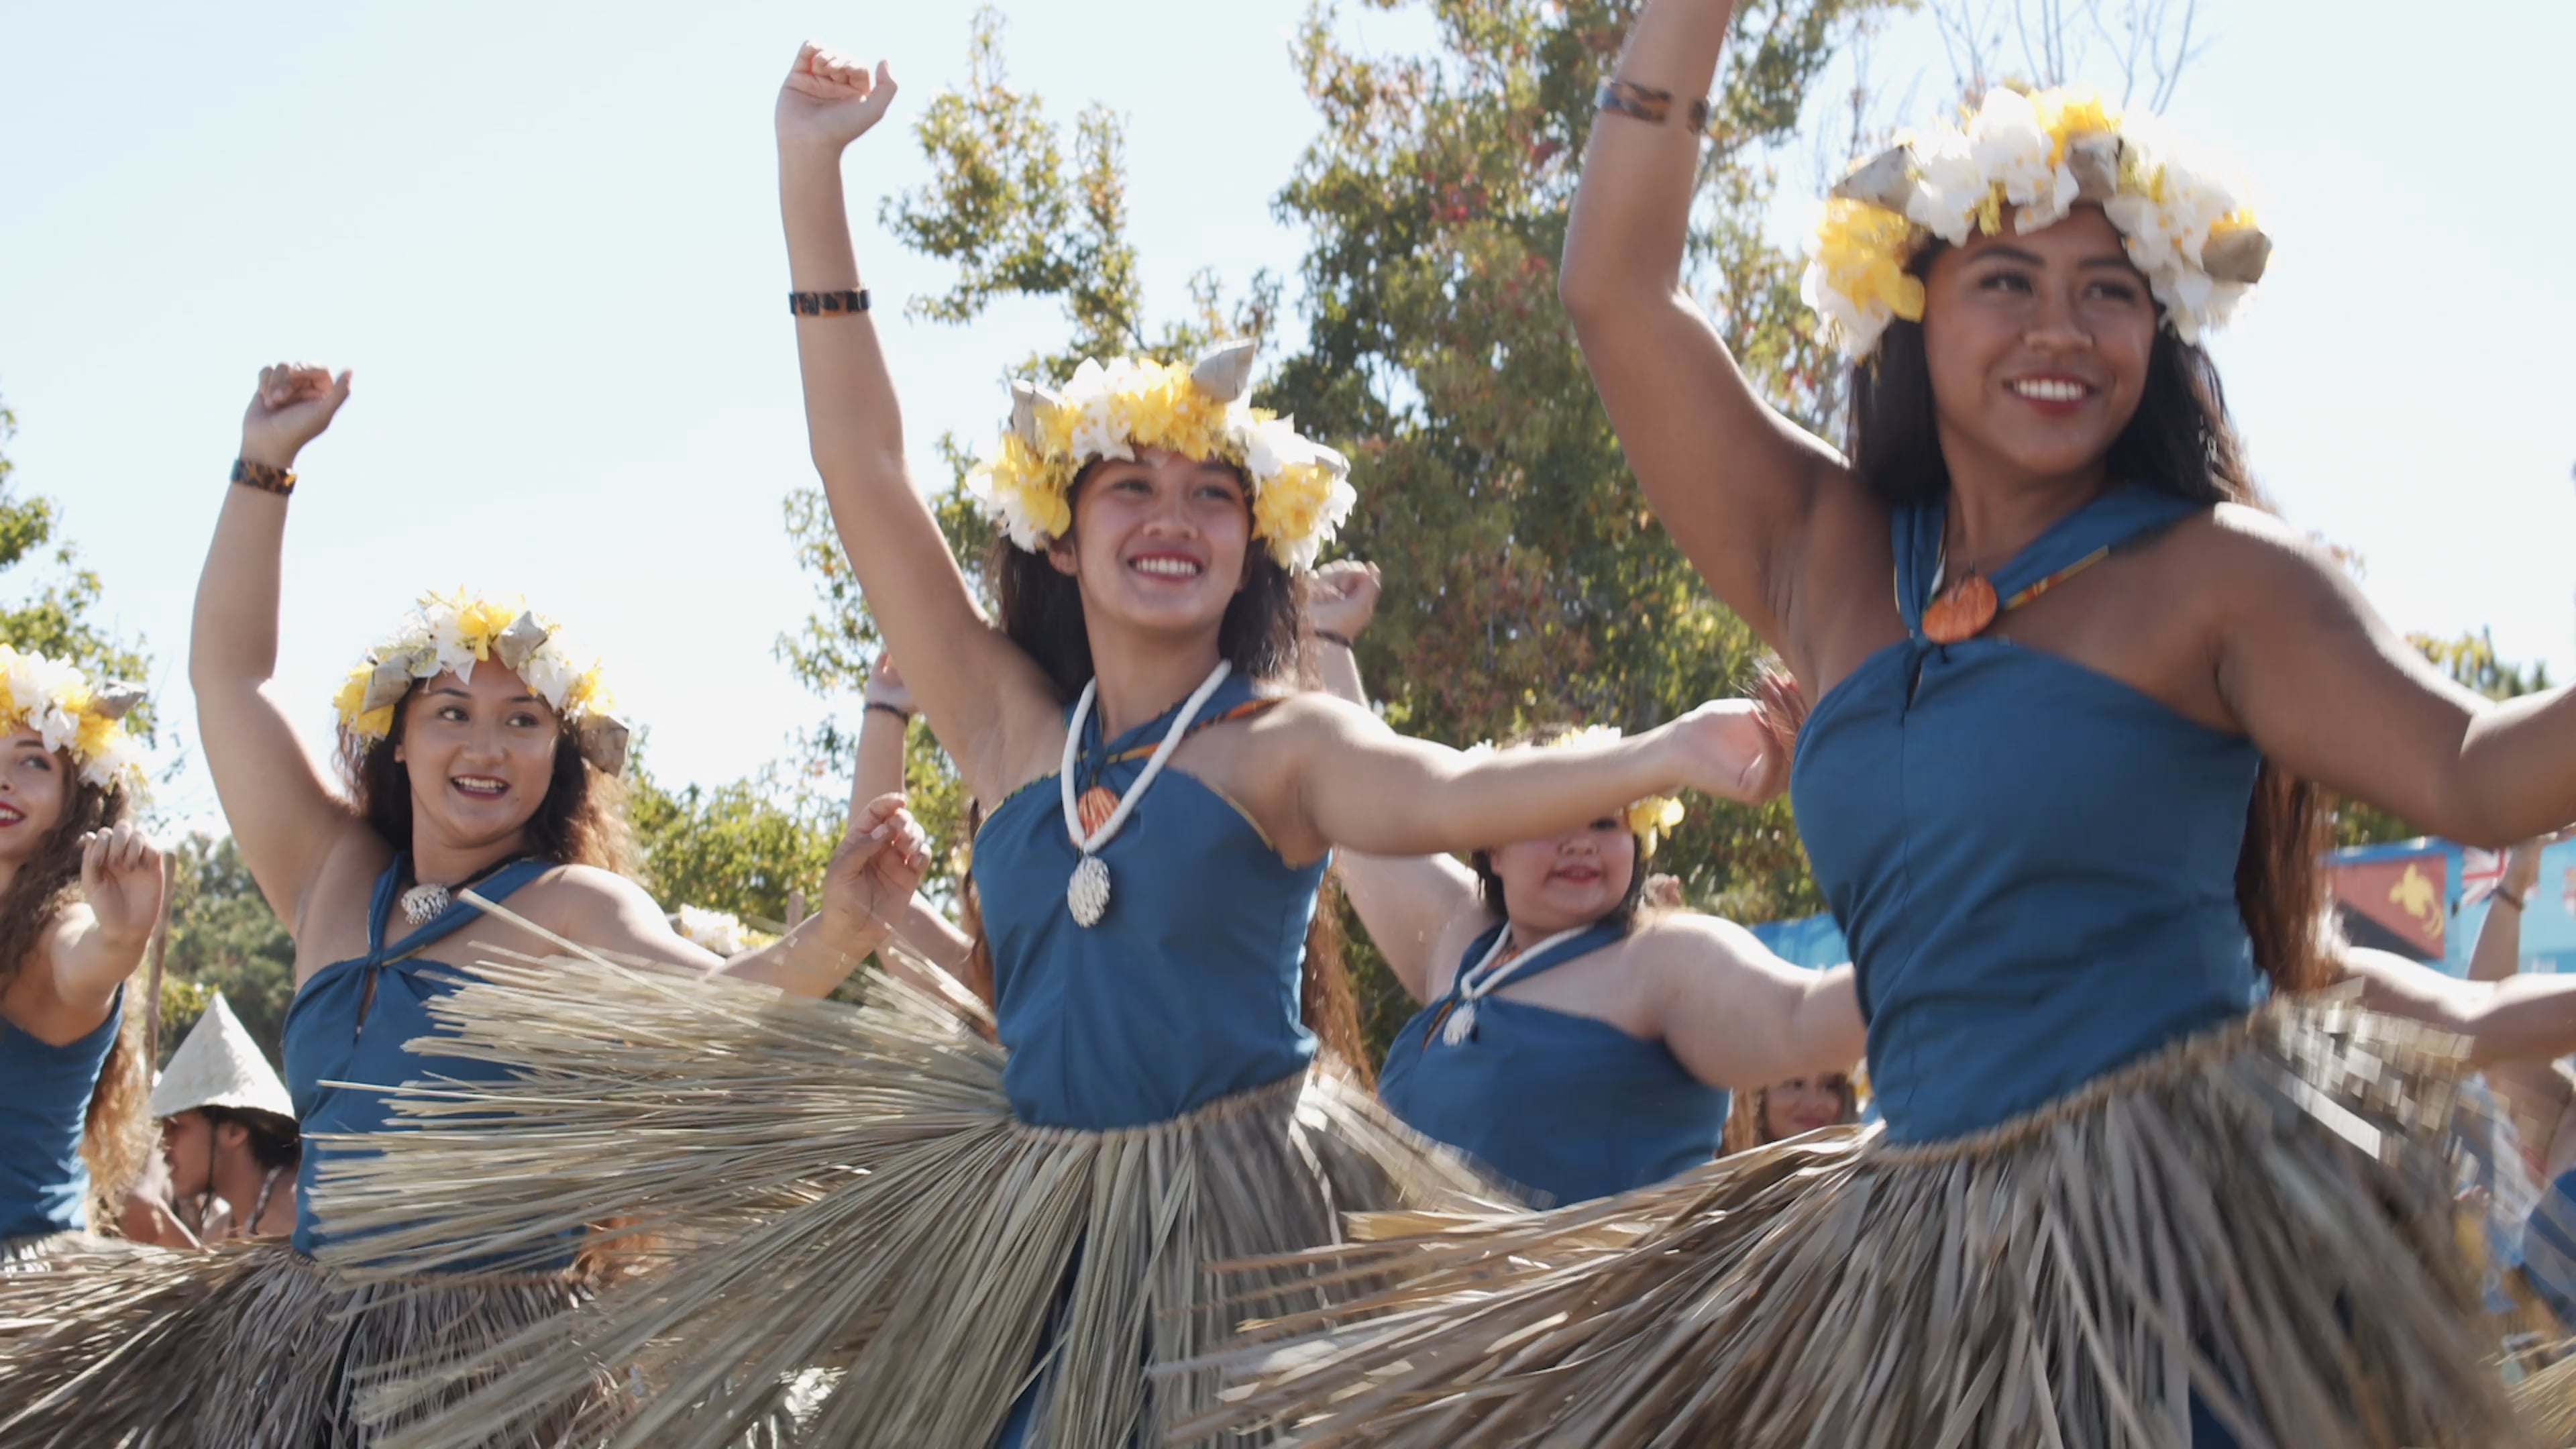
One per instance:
[(1560, 881), (1801, 1104), (1162, 543), (2038, 347), (480, 754), (34, 784)]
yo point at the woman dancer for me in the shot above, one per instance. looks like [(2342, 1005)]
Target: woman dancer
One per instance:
[(1789, 1107), (80, 889), (1572, 1040), (1026, 1244), (481, 766), (2066, 679)]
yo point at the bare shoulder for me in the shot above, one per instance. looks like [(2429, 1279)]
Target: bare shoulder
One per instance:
[(582, 902), (1692, 940)]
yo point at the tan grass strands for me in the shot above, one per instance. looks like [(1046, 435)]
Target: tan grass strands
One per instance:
[(843, 1189), (257, 1347), (2268, 1196), (2546, 1400)]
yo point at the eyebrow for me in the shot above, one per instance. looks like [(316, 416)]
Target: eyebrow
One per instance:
[(2016, 254), (453, 692)]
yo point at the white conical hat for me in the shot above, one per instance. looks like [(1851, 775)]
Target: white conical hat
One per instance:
[(220, 1066)]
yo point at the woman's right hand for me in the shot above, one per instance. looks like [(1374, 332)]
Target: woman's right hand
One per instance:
[(294, 403), (1341, 598), (828, 100)]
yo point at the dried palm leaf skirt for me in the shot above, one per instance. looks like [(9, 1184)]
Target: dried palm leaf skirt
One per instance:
[(257, 1347), (853, 1233), (2258, 1218)]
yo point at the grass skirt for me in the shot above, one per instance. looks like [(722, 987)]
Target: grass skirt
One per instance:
[(258, 1347), (2259, 1217), (843, 1219)]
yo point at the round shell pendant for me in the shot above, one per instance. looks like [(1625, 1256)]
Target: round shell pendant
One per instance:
[(423, 904), (1088, 893), (1460, 1025)]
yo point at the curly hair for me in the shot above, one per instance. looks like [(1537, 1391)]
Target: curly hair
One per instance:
[(116, 1135), (581, 820)]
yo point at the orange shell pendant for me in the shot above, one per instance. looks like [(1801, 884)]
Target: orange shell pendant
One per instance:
[(1962, 612), (1099, 801)]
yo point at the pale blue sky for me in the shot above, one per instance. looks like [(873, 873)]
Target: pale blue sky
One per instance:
[(546, 238)]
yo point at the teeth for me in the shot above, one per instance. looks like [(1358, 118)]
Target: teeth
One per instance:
[(481, 786), (2045, 389), (1171, 568)]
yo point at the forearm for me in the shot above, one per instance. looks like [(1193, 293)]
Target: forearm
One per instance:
[(1386, 794), (90, 963), (1631, 216), (233, 639), (810, 960), (880, 756), (925, 929), (1341, 671), (851, 414), (2499, 950), (2518, 769)]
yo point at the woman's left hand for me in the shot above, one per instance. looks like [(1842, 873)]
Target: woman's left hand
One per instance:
[(121, 882)]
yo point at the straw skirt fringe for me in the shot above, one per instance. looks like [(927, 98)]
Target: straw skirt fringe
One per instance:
[(843, 1189), (2259, 1217), (255, 1347)]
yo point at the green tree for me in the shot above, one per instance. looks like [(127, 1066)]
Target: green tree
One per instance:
[(1527, 581), (744, 847), (223, 937), (59, 617)]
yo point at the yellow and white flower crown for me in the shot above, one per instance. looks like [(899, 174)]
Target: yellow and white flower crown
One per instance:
[(1647, 819), (56, 699), (1301, 490), (2034, 157), (451, 633)]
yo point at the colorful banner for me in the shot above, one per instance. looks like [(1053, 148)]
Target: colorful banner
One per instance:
[(2427, 899)]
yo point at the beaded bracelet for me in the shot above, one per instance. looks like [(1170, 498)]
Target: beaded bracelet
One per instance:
[(263, 477), (828, 304), (1647, 104)]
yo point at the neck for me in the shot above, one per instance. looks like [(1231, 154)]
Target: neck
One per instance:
[(1525, 936), (435, 862), (1995, 512), (237, 1177), (1141, 678)]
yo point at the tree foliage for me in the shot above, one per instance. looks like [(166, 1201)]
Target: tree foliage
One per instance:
[(2470, 660), (58, 616), (223, 937), (1527, 581)]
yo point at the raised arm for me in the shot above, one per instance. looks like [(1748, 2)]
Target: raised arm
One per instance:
[(2499, 950), (885, 719), (1408, 903), (1740, 1017), (1734, 481), (285, 818), (2522, 1019), (96, 945), (970, 678), (2332, 694)]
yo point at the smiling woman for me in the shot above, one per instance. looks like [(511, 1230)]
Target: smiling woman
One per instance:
[(479, 757)]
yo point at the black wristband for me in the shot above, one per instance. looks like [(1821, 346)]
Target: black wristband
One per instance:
[(828, 304), (265, 477), (1329, 637), (1647, 104), (898, 711)]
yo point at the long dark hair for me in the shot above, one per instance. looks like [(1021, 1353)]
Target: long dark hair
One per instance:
[(1263, 637), (581, 821), (274, 1141), (2182, 442), (115, 1133)]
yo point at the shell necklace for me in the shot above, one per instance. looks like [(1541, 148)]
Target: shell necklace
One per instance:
[(1478, 981), (428, 901), (1088, 892)]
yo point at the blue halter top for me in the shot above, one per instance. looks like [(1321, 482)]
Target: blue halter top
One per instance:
[(44, 1117), (1188, 989), (334, 1033), (1563, 1105), (2034, 863)]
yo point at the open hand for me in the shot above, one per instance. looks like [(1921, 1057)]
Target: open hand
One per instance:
[(1727, 748), (294, 403), (829, 100), (121, 881), (1341, 597), (878, 866)]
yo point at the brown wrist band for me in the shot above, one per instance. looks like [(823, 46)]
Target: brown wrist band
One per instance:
[(263, 477), (1647, 104), (828, 304)]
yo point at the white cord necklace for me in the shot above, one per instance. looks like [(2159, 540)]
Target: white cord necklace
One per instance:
[(1088, 892), (1474, 987)]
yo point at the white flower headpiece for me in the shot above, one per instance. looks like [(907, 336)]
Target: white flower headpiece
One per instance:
[(2036, 157), (56, 700), (1301, 490), (451, 633)]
